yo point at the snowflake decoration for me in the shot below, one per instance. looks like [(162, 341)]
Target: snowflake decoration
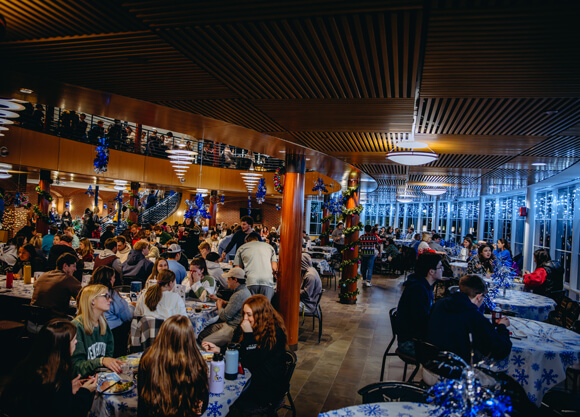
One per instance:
[(372, 410), (532, 397), (536, 367), (122, 406), (550, 355), (518, 361), (549, 377), (521, 376), (538, 384), (568, 358), (213, 409)]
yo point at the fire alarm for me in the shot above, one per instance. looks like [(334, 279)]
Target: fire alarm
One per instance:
[(523, 211)]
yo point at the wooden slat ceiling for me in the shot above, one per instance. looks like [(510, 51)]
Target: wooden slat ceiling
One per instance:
[(494, 85)]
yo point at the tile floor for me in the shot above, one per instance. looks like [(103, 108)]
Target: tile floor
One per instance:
[(354, 338)]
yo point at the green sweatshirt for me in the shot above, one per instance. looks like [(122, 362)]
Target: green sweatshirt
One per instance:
[(90, 348)]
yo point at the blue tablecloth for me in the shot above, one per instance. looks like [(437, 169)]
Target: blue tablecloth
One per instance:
[(526, 304), (394, 409), (540, 355), (126, 404), (199, 320)]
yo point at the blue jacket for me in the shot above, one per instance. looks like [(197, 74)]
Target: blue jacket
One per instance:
[(120, 311), (47, 243), (413, 309), (454, 318), (504, 257)]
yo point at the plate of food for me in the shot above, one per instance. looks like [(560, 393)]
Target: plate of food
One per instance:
[(110, 386)]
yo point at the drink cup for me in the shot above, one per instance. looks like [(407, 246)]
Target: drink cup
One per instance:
[(9, 279)]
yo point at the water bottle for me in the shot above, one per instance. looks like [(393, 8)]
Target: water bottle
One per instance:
[(496, 314), (232, 357), (135, 290), (216, 374)]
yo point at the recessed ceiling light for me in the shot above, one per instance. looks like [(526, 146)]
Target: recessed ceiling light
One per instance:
[(26, 91), (539, 164), (116, 187), (4, 175)]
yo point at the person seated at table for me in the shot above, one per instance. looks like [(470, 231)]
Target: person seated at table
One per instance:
[(424, 243), (54, 289), (108, 257), (95, 343), (160, 265), (8, 254), (229, 312), (198, 280), (174, 257), (123, 249), (482, 263), (137, 267), (64, 245), (159, 300), (44, 383), (163, 236), (262, 352), (70, 231), (548, 276), (311, 285), (456, 318), (435, 244), (48, 240), (27, 255), (169, 386), (415, 243), (120, 313), (410, 233), (503, 253), (212, 261), (415, 302), (391, 250), (109, 233), (86, 250)]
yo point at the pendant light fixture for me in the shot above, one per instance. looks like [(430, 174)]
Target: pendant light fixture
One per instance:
[(434, 191)]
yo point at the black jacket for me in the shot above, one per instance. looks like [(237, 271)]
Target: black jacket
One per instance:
[(413, 309), (137, 266), (454, 318), (554, 279)]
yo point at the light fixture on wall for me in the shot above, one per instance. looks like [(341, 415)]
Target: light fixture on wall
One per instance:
[(412, 157), (434, 191)]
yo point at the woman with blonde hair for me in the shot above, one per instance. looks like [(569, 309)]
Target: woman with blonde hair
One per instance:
[(86, 250), (173, 377), (159, 300), (262, 351), (160, 265), (95, 344)]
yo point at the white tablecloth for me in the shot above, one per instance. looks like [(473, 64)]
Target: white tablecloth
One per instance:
[(394, 409), (526, 304), (327, 255), (126, 404), (321, 264), (539, 360), (330, 249), (459, 268), (19, 289), (199, 320), (403, 242)]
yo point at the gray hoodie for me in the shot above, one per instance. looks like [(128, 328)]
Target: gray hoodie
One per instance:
[(311, 283)]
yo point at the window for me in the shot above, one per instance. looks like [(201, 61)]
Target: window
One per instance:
[(489, 218), (543, 206), (564, 229), (315, 218), (519, 226), (442, 213), (470, 214), (412, 216), (426, 217), (506, 211), (456, 228)]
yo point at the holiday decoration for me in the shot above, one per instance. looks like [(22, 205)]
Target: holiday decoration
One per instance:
[(21, 200), (278, 206), (101, 161), (277, 181), (261, 192), (90, 191), (197, 209), (67, 205), (43, 194), (249, 203), (350, 262), (319, 186), (222, 200)]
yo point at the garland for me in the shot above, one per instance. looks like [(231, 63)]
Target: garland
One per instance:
[(327, 218), (43, 194), (348, 262), (277, 181), (351, 212), (345, 282), (40, 215), (325, 233), (350, 294), (350, 230), (131, 208), (133, 195), (349, 192), (352, 245)]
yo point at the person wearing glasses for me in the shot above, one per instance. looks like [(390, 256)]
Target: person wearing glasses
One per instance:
[(416, 301), (95, 344)]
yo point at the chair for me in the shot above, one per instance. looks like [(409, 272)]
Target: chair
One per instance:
[(521, 404), (409, 360), (35, 317), (565, 314), (314, 314), (433, 359), (330, 275), (381, 392), (143, 332)]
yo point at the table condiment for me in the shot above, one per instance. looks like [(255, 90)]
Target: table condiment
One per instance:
[(9, 279), (27, 274)]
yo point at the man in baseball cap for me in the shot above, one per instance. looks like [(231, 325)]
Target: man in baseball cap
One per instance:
[(173, 255)]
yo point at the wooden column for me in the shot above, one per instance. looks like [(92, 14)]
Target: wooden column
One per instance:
[(213, 200), (325, 225), (43, 203), (350, 272), (96, 196), (291, 244), (134, 201), (138, 133)]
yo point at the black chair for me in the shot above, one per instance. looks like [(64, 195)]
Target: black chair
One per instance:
[(445, 364), (35, 317), (409, 360), (566, 313), (381, 392), (506, 385), (329, 275), (317, 313)]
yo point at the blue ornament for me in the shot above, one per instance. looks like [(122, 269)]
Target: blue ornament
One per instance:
[(319, 186), (101, 161), (90, 191), (261, 192)]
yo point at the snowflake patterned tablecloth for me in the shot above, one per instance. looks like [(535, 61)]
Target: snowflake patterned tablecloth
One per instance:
[(394, 409), (539, 360), (199, 320), (526, 304), (125, 405), (459, 269), (321, 264), (19, 289)]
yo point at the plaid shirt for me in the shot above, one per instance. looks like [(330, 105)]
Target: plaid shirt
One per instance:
[(368, 243)]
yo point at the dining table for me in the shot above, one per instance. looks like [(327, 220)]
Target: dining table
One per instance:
[(321, 265), (385, 409), (403, 242), (125, 404), (202, 318), (459, 268), (540, 354), (327, 249), (525, 304)]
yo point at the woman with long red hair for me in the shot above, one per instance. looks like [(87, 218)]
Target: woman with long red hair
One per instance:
[(262, 352), (172, 375)]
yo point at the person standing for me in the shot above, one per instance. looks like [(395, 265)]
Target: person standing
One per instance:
[(239, 238), (151, 199), (369, 247), (258, 259), (338, 236)]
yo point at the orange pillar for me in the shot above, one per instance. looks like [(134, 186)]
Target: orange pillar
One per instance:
[(43, 203), (138, 132), (134, 201), (348, 282), (213, 200), (291, 245), (326, 224)]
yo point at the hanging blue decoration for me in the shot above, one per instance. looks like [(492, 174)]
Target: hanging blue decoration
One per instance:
[(278, 206), (90, 191), (249, 203), (197, 209), (334, 205), (171, 193), (67, 205), (222, 200), (261, 191), (319, 186), (101, 161), (105, 207)]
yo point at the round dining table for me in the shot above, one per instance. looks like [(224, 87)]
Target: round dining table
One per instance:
[(459, 268), (395, 409), (540, 354), (125, 405), (525, 304)]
